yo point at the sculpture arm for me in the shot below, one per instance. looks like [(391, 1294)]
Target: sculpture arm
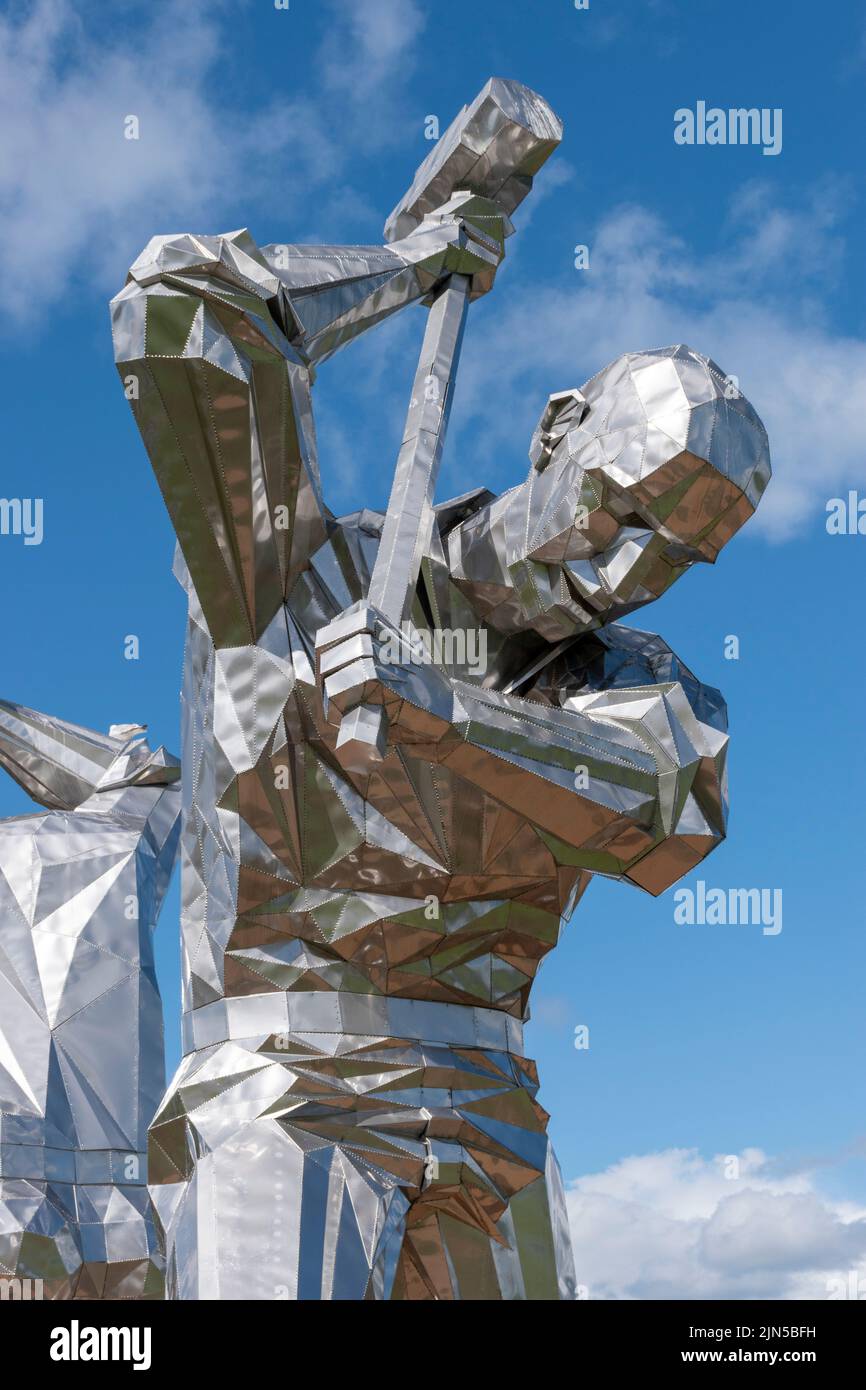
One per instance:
[(625, 781), (222, 400), (629, 783), (215, 341), (333, 294)]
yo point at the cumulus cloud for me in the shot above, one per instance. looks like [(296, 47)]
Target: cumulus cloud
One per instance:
[(648, 287), (675, 1225), (368, 45), (75, 192)]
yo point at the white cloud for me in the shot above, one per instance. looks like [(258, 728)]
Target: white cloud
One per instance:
[(647, 287), (369, 44), (673, 1225), (76, 195)]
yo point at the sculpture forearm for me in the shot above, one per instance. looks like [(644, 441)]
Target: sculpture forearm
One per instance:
[(628, 782), (336, 293)]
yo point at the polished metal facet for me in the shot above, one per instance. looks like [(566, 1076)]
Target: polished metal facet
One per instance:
[(380, 849), (81, 1051)]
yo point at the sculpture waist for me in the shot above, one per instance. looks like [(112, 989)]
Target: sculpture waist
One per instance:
[(342, 1012)]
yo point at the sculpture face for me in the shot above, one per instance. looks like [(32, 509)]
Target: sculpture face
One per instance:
[(378, 852), (81, 1051)]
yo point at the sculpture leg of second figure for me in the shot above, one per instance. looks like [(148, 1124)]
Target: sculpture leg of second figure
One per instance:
[(294, 1168), (78, 1241)]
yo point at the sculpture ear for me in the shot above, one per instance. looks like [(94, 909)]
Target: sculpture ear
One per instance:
[(564, 411)]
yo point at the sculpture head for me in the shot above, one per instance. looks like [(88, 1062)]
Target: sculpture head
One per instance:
[(648, 469), (61, 765)]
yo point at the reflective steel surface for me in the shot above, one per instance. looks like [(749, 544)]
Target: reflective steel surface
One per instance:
[(81, 1052), (378, 850)]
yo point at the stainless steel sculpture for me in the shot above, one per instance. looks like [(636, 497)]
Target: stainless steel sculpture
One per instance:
[(379, 849), (81, 1052)]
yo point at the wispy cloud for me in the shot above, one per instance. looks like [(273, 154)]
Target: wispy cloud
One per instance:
[(74, 192), (673, 1225), (367, 45)]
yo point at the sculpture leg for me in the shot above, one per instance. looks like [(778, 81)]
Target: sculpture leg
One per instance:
[(453, 1250), (79, 1241), (273, 1205), (291, 1164), (39, 1238)]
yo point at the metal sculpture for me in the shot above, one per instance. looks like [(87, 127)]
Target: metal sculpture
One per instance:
[(381, 840), (82, 1068)]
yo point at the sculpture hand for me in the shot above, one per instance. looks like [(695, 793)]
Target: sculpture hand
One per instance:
[(465, 236), (363, 664)]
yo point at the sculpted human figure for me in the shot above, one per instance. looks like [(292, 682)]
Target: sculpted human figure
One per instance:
[(82, 1068), (378, 849)]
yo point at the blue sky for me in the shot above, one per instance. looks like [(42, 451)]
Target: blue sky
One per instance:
[(307, 125)]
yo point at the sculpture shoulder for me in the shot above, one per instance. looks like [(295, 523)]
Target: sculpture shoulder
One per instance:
[(232, 257)]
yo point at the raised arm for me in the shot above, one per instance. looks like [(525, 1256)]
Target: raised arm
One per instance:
[(215, 343), (452, 220), (222, 401)]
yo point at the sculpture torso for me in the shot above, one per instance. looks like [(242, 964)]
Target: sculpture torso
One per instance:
[(415, 883), (443, 874)]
